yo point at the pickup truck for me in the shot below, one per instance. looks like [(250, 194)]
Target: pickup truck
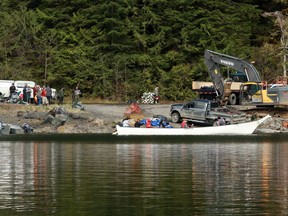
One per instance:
[(205, 111)]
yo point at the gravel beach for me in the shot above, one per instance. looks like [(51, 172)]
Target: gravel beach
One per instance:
[(96, 118)]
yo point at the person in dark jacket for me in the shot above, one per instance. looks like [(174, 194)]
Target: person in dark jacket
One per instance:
[(60, 96), (25, 93), (49, 94), (12, 89)]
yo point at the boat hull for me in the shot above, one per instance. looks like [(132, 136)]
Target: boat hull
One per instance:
[(246, 128)]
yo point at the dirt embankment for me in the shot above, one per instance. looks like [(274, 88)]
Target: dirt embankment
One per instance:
[(97, 118)]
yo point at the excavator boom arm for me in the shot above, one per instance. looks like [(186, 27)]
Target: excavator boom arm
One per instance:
[(214, 60)]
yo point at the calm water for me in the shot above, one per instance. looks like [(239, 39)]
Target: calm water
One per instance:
[(108, 175)]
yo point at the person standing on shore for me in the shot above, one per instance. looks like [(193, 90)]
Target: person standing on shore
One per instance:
[(44, 96), (25, 93), (76, 95), (156, 95), (12, 89), (49, 94), (34, 95), (61, 96), (28, 94), (38, 93)]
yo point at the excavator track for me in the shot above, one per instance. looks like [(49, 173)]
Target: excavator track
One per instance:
[(279, 112)]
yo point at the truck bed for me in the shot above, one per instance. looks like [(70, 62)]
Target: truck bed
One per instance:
[(196, 85)]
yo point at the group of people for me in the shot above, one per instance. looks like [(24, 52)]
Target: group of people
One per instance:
[(219, 121), (27, 95), (35, 94), (186, 124), (42, 95)]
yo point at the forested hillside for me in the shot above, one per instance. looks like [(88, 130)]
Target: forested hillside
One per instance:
[(118, 49)]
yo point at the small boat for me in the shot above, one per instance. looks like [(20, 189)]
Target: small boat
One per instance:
[(245, 128)]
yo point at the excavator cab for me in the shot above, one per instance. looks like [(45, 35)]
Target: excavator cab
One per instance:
[(260, 95), (251, 92), (238, 76)]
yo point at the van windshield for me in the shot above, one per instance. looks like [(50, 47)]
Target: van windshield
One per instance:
[(22, 84)]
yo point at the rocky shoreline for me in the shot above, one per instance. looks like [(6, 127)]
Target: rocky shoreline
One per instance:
[(96, 118), (56, 119)]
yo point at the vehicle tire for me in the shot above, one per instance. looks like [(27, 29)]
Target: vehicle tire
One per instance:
[(232, 99), (175, 117)]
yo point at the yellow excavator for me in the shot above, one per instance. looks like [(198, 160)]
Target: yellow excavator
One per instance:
[(253, 91)]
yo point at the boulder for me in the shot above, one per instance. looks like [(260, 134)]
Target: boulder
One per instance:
[(34, 115), (48, 119), (57, 117), (59, 120), (58, 110), (12, 129)]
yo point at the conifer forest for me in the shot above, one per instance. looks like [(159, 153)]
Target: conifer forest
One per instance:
[(117, 49)]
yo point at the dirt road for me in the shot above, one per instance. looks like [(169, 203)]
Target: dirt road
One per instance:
[(116, 111)]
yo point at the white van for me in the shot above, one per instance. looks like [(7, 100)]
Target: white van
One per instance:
[(19, 84), (4, 88), (54, 93)]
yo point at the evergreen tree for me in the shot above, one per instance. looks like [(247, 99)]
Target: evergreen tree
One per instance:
[(120, 48)]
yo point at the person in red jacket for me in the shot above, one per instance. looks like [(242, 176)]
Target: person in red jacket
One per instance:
[(44, 96), (34, 95), (148, 123), (184, 124)]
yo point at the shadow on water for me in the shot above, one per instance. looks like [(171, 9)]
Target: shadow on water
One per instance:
[(112, 139)]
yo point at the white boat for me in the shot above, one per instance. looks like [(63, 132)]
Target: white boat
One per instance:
[(245, 128)]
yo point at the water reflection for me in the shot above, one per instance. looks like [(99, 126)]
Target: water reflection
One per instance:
[(203, 178)]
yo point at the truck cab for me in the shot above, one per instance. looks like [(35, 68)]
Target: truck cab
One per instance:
[(205, 112), (194, 110)]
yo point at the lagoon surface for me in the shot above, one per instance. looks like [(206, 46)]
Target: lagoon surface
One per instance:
[(109, 175)]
